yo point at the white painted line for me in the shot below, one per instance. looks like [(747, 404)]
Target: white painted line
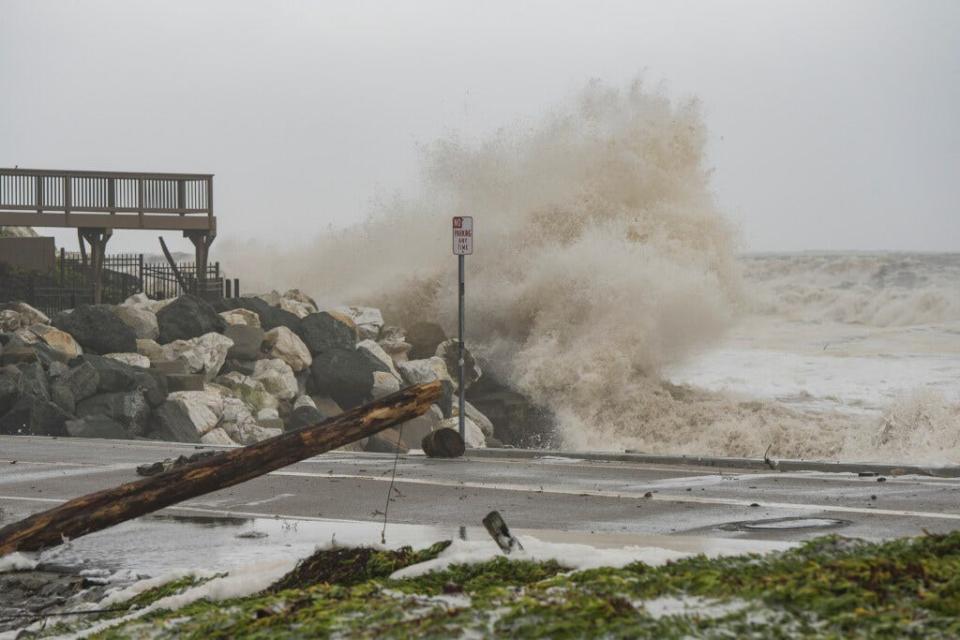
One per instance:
[(30, 499), (279, 496), (635, 495), (56, 474)]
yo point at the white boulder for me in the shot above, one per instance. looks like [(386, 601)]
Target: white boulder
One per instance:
[(216, 436), (137, 300), (29, 315), (369, 320), (204, 354), (268, 414), (251, 392), (384, 384), (203, 407), (297, 308), (377, 352), (150, 349), (240, 425), (394, 342), (426, 370), (132, 359), (10, 321), (141, 319), (413, 431), (241, 317), (60, 341), (277, 377), (284, 344), (474, 438), (304, 401), (478, 418)]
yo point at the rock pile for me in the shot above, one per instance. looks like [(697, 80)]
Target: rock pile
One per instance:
[(237, 371)]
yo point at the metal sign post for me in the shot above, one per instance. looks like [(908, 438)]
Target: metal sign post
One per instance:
[(462, 246)]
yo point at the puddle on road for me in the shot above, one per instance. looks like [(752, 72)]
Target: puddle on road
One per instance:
[(785, 524)]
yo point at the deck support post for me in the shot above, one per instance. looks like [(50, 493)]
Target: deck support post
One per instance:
[(201, 241), (97, 238)]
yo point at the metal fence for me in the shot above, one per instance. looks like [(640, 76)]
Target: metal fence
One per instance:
[(124, 274)]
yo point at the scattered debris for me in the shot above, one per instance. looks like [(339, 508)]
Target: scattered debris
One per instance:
[(349, 566), (166, 464), (773, 464), (500, 533), (96, 511), (252, 535), (443, 443)]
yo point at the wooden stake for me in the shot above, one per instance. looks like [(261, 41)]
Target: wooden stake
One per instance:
[(106, 508)]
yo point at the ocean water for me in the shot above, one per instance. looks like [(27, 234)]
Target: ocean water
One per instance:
[(867, 341)]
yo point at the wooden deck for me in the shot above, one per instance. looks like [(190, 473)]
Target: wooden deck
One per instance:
[(107, 200), (97, 202)]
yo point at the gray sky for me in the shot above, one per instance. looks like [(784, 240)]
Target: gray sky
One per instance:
[(834, 125)]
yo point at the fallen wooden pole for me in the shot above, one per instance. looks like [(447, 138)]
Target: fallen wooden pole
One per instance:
[(106, 508)]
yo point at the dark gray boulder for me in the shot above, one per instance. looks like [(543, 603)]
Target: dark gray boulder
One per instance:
[(270, 317), (114, 376), (346, 375), (62, 396), (128, 408), (96, 427), (82, 380), (16, 421), (246, 367), (303, 417), (188, 317), (173, 423), (184, 381), (33, 381), (47, 419), (16, 351), (324, 331), (246, 342), (97, 329), (10, 389), (34, 416), (424, 338)]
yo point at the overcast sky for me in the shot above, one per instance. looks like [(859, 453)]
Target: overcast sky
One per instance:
[(834, 125)]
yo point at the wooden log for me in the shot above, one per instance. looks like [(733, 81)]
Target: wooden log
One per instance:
[(106, 508)]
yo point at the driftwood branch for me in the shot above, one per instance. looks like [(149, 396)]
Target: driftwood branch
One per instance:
[(106, 508), (173, 266)]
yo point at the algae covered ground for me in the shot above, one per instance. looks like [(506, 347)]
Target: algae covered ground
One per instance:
[(831, 587)]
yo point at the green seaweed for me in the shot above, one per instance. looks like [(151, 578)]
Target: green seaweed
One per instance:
[(827, 588)]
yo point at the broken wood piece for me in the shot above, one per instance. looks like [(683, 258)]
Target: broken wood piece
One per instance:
[(443, 443), (106, 508), (153, 468), (498, 530)]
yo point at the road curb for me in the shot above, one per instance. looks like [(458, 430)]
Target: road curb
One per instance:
[(878, 468)]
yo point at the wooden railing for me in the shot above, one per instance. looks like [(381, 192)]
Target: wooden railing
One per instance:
[(147, 195)]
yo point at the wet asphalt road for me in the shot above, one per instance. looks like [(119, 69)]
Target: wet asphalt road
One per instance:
[(616, 502)]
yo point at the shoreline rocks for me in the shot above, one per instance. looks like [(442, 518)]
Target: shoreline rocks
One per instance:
[(237, 371)]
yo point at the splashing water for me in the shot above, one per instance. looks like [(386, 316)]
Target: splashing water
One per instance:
[(601, 258), (600, 252)]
